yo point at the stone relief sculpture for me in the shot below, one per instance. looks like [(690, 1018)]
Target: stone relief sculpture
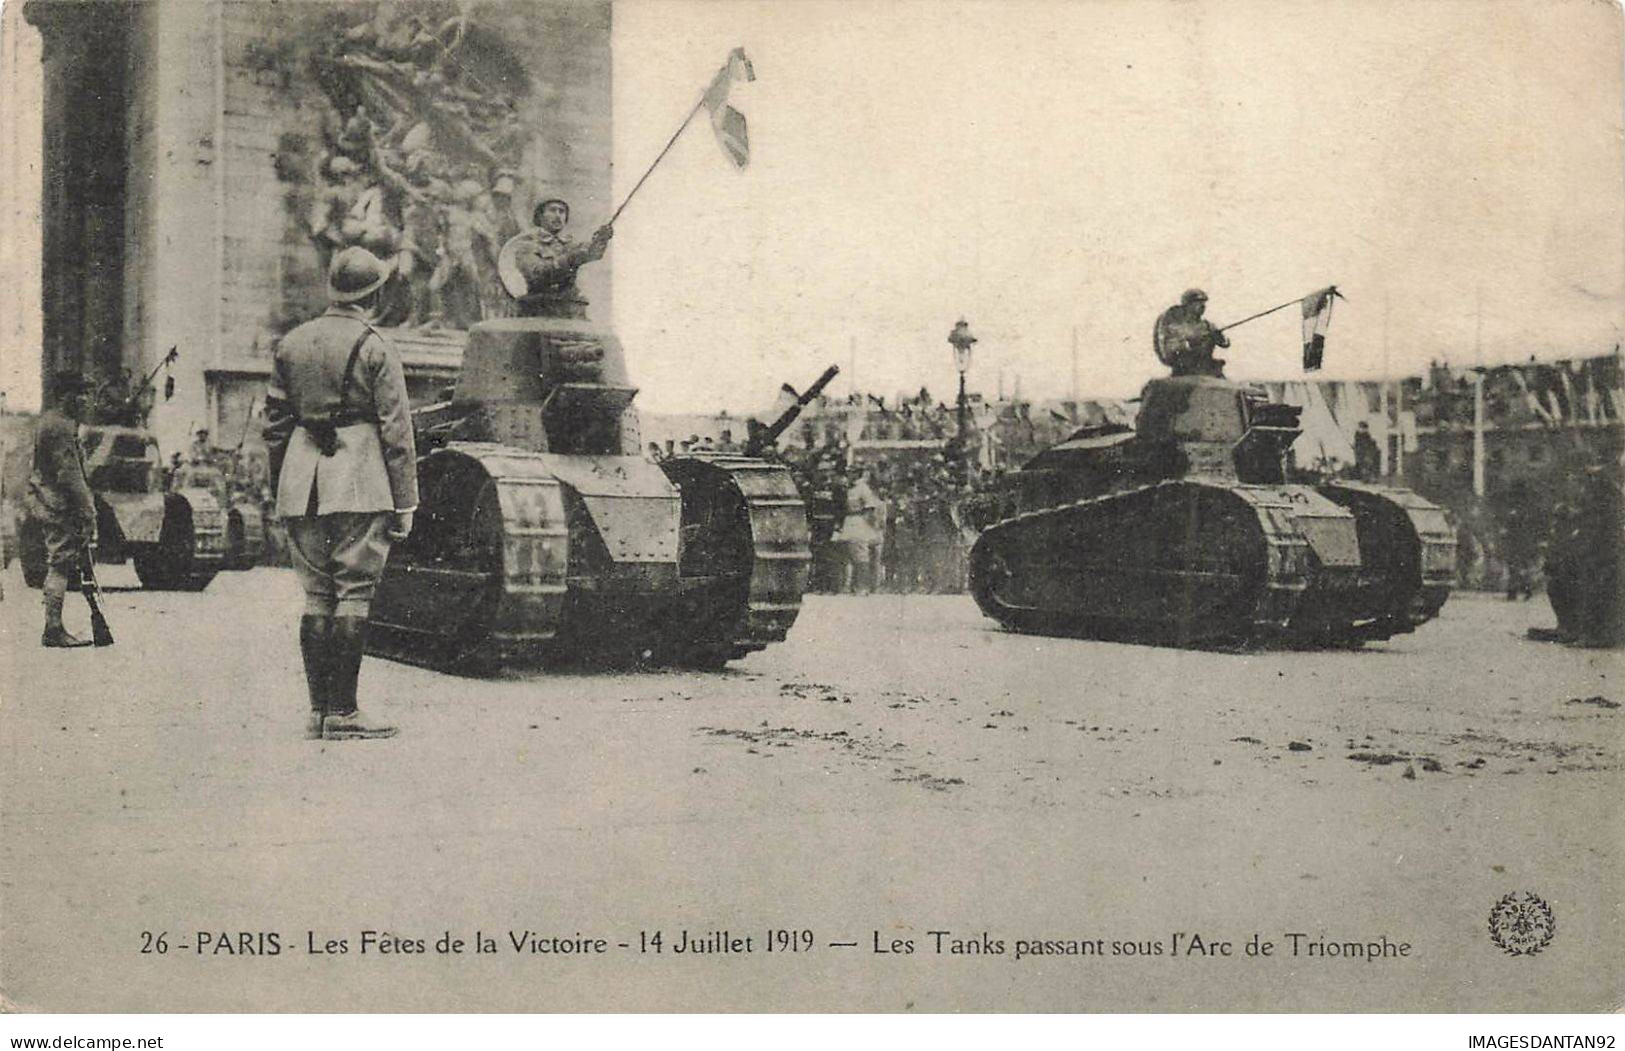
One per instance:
[(421, 136)]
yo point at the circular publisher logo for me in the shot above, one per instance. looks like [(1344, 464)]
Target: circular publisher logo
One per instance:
[(1522, 924)]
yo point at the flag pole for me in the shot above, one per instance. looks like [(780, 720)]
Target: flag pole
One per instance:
[(669, 144), (1261, 313)]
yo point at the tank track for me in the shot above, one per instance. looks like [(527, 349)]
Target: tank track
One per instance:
[(483, 579), (169, 569), (1240, 570), (780, 553), (1419, 552)]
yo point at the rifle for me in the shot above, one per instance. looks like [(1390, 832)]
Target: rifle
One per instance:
[(765, 438), (100, 633), (247, 421)]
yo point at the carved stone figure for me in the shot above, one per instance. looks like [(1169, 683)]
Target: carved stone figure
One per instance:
[(411, 132)]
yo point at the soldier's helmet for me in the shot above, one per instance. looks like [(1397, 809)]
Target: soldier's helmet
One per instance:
[(355, 274), (536, 212), (1193, 295)]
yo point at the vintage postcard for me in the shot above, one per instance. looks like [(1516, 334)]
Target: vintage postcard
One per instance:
[(880, 506)]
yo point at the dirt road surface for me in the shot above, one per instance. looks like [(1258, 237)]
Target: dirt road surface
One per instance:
[(899, 767)]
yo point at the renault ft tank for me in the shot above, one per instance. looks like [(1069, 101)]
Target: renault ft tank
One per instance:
[(544, 537), (1184, 531), (176, 539), (245, 521)]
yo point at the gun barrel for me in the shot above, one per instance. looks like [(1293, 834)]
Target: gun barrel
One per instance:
[(770, 434)]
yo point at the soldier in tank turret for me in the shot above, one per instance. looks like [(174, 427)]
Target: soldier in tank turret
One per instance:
[(545, 258), (1184, 340)]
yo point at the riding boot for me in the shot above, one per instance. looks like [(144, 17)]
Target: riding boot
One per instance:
[(344, 719), (55, 635), (315, 647)]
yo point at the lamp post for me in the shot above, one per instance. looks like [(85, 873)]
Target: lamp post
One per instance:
[(962, 340)]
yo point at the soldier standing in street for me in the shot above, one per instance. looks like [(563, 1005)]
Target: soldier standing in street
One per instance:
[(59, 499), (1184, 340), (338, 427), (1367, 454)]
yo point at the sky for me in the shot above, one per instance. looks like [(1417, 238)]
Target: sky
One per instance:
[(1455, 168), (1038, 167)]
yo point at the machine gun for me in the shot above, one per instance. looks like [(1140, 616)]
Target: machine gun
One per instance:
[(765, 438)]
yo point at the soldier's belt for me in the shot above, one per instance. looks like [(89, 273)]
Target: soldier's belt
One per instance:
[(324, 430)]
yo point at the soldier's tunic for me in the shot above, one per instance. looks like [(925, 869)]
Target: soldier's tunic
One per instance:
[(59, 496), (337, 507), (1185, 343), (549, 262)]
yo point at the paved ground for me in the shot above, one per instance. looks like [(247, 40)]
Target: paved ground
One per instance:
[(899, 767)]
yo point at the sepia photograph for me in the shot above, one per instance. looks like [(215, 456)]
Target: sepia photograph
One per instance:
[(883, 506)]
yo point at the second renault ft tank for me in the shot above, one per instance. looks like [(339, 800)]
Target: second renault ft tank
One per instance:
[(1184, 531), (244, 544), (544, 536), (176, 539)]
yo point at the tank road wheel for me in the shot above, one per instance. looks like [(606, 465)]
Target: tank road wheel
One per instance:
[(172, 564), (31, 552)]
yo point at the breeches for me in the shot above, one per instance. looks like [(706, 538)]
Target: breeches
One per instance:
[(339, 558), (62, 546)]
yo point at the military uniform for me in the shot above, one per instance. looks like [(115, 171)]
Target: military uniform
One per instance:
[(549, 262), (1185, 341), (60, 501), (338, 426)]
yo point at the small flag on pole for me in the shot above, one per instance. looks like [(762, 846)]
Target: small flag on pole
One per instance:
[(1317, 315), (727, 122)]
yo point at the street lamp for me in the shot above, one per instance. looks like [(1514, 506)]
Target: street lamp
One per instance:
[(962, 340)]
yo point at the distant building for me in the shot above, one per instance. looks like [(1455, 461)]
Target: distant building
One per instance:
[(1544, 423)]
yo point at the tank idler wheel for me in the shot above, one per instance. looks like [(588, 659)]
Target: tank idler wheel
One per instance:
[(168, 565)]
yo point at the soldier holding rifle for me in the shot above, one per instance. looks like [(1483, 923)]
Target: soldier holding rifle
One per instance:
[(59, 499)]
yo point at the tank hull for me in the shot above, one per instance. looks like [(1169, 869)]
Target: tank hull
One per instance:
[(532, 558), (1209, 561), (176, 540)]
